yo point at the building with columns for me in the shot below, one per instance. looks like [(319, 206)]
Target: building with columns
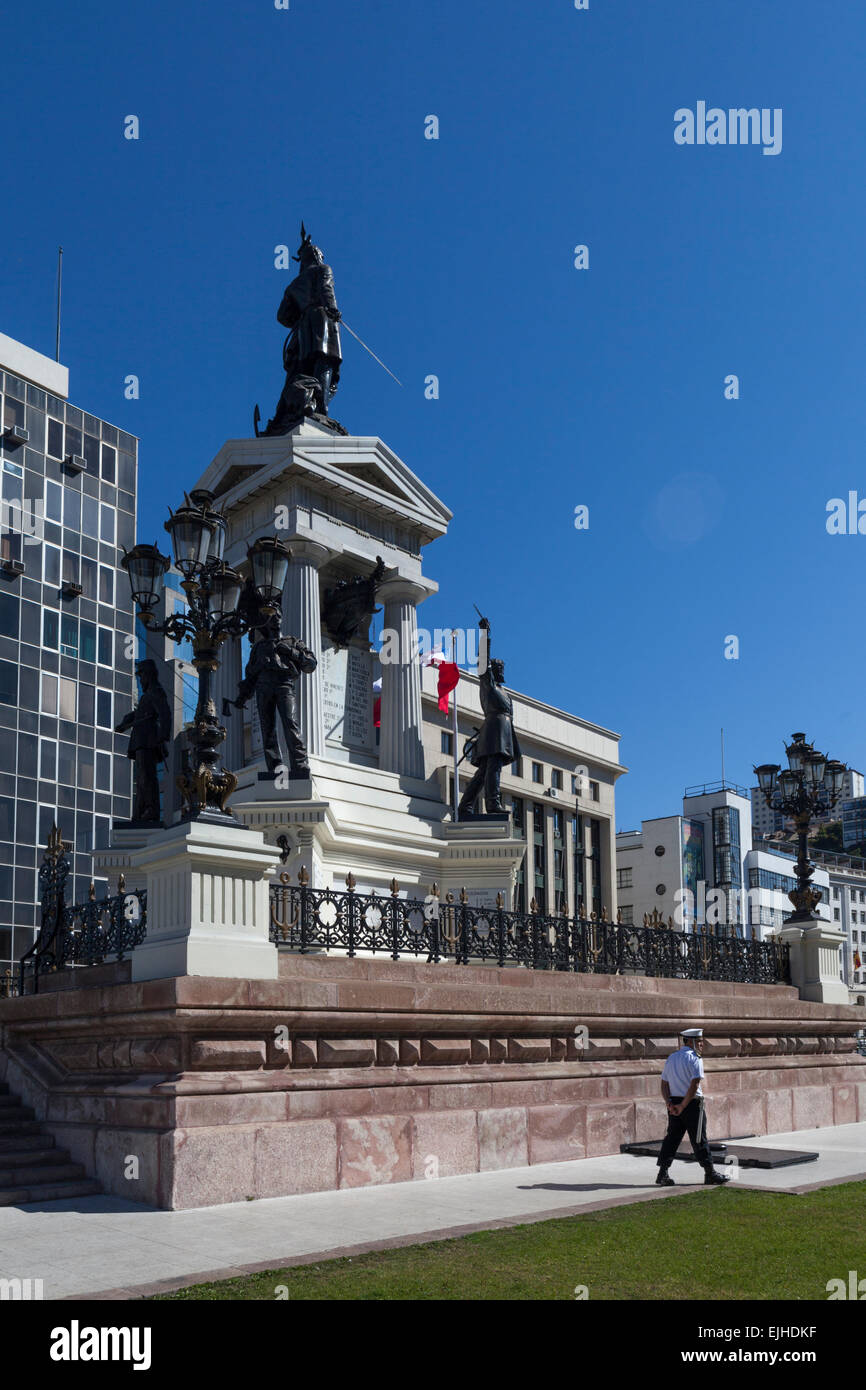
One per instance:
[(560, 793)]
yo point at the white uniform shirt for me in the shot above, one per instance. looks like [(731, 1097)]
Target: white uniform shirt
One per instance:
[(681, 1069)]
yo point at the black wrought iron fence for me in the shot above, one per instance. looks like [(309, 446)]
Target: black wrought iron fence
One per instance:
[(436, 929), (70, 935)]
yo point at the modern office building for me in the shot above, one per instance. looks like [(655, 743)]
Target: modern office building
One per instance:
[(68, 492), (674, 863), (560, 793), (854, 821), (767, 822)]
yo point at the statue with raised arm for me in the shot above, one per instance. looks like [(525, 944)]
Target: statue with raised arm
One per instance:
[(272, 673), (150, 725), (496, 742), (311, 353)]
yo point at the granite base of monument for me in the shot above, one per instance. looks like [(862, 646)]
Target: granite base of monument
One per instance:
[(347, 1073)]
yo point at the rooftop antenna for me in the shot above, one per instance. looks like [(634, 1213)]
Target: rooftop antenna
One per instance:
[(723, 757), (59, 290)]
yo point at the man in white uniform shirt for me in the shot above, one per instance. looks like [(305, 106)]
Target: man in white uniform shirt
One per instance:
[(683, 1094)]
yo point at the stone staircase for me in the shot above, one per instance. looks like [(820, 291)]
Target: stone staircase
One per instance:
[(32, 1169)]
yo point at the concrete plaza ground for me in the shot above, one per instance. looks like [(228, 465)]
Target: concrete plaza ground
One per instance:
[(105, 1247)]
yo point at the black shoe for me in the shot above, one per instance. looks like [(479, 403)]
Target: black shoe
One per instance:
[(714, 1179), (664, 1181)]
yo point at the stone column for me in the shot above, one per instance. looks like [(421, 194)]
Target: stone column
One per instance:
[(400, 745), (302, 618)]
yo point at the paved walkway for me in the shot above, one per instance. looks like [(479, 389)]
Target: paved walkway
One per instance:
[(107, 1247)]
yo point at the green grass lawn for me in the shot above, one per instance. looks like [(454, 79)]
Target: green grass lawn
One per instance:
[(722, 1243)]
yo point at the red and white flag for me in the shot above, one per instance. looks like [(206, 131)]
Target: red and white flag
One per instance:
[(449, 675)]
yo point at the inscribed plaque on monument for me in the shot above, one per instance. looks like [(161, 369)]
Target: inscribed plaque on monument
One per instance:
[(347, 696)]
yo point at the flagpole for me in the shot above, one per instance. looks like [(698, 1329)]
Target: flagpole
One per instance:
[(454, 734)]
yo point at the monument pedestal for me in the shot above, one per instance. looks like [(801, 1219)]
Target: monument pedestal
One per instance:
[(208, 910), (819, 956), (115, 861), (481, 855), (389, 1062)]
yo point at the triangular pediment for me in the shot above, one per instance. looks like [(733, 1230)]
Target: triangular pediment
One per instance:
[(366, 473), (361, 466)]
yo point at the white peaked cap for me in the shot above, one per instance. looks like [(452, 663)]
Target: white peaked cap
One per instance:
[(692, 1033)]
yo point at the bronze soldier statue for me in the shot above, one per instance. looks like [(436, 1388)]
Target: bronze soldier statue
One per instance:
[(495, 744), (150, 723), (272, 672), (311, 354)]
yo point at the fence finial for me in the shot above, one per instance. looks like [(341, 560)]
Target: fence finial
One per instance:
[(91, 892), (350, 881), (54, 847), (121, 883), (464, 896), (303, 877), (500, 901), (395, 887)]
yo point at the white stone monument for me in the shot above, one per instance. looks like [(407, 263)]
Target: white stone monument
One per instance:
[(369, 807), (341, 502)]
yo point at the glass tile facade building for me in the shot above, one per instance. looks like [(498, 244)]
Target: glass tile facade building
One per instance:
[(68, 491)]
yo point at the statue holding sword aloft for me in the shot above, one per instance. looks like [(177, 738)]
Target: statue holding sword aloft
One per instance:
[(312, 353)]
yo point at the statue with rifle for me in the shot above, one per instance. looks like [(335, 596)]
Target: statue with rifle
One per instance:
[(495, 744)]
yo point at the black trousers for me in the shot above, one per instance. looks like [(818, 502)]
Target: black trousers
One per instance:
[(694, 1120), (488, 775), (146, 785), (273, 699)]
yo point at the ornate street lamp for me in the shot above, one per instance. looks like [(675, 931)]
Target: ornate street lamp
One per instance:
[(809, 785), (220, 604)]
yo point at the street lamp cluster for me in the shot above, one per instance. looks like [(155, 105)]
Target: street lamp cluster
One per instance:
[(220, 603), (810, 785)]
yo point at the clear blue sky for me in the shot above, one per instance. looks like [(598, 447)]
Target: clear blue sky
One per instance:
[(558, 387)]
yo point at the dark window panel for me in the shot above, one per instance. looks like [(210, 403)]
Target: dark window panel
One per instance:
[(91, 452), (55, 438), (28, 752), (8, 683), (28, 689), (72, 513), (25, 884), (10, 607)]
